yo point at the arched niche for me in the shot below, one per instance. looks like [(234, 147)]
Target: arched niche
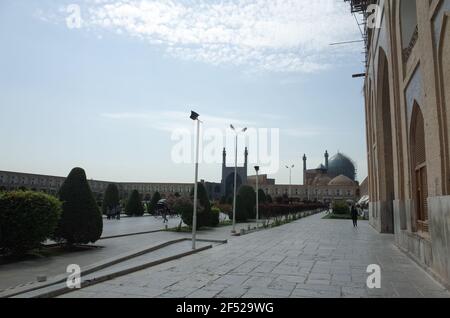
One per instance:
[(384, 143), (444, 74), (419, 170), (408, 26)]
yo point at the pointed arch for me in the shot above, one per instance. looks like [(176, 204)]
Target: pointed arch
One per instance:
[(383, 149), (444, 88), (419, 170)]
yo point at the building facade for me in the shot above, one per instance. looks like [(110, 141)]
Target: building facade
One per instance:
[(51, 184), (407, 105), (334, 180), (323, 187)]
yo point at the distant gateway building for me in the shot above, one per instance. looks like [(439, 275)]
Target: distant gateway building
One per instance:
[(322, 184)]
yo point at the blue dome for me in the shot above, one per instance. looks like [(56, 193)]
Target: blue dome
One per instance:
[(342, 165)]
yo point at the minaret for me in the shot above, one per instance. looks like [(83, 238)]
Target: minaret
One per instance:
[(304, 169), (326, 159), (224, 158), (246, 158)]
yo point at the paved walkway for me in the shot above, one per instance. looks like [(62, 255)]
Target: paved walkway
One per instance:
[(309, 258), (127, 225), (15, 274)]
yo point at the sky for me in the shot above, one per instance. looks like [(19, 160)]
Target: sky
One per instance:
[(105, 85)]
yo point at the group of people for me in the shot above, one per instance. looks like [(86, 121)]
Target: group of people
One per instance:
[(114, 213)]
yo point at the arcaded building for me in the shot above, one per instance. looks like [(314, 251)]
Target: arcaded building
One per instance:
[(407, 94), (330, 182)]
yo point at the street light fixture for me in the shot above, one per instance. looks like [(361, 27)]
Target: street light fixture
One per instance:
[(235, 174), (257, 196), (194, 116), (290, 180)]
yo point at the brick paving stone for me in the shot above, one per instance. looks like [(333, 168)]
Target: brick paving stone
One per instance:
[(311, 257)]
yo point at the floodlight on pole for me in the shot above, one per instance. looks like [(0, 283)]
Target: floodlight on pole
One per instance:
[(194, 116), (290, 179), (257, 195)]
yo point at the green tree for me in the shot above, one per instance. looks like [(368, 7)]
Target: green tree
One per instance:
[(134, 205), (202, 197), (214, 217), (111, 198), (26, 220), (262, 196), (341, 208), (155, 199), (204, 217), (245, 204), (184, 207), (81, 221)]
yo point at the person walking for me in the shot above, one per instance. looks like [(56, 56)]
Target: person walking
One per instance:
[(354, 212), (118, 210), (164, 215)]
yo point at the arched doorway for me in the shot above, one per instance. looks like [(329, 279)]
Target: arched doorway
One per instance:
[(384, 147), (229, 184), (419, 173)]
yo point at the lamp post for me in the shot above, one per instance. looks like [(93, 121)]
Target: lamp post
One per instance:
[(257, 196), (235, 175), (194, 117), (290, 180)]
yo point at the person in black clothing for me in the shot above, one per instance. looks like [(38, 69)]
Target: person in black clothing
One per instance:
[(354, 212), (164, 215), (118, 210)]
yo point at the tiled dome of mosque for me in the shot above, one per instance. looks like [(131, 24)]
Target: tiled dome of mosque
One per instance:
[(341, 181), (342, 165)]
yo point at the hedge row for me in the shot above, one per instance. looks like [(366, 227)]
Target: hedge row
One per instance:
[(26, 220)]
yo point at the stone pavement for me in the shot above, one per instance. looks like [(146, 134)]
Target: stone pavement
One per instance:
[(15, 274), (128, 225), (309, 258)]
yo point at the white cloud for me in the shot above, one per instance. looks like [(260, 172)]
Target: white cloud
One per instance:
[(169, 121), (263, 35)]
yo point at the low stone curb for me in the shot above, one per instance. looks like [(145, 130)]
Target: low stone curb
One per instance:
[(61, 289), (130, 234), (32, 286)]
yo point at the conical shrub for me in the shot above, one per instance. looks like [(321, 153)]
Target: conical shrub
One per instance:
[(111, 199), (81, 220), (134, 205)]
